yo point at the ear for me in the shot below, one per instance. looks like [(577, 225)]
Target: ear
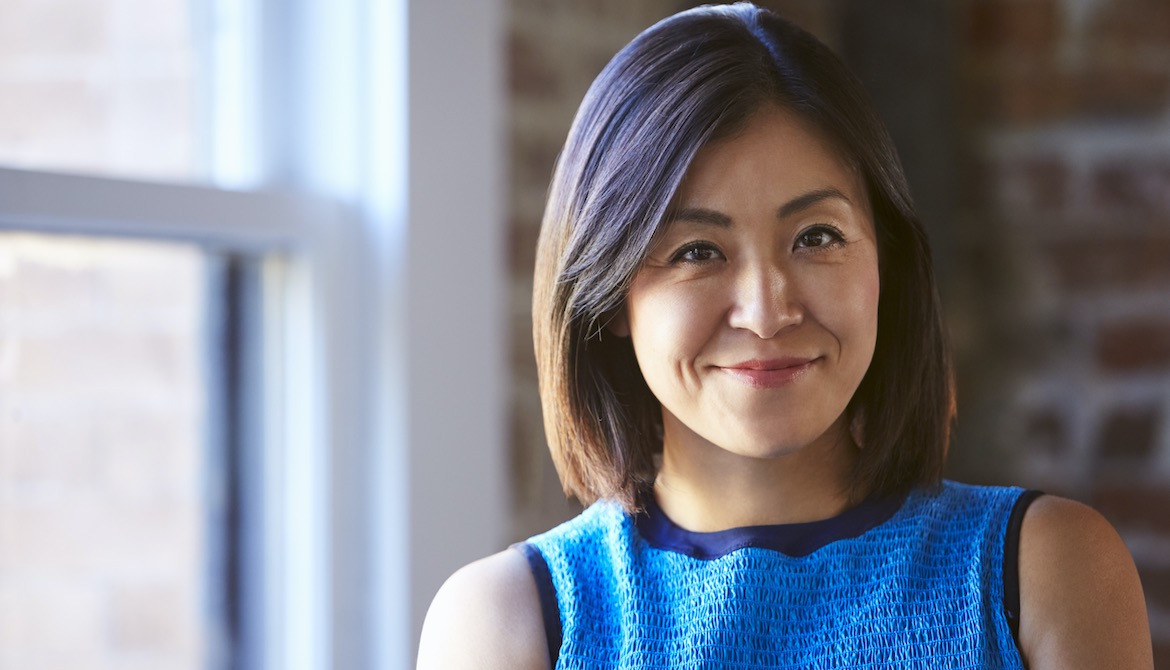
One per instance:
[(619, 323), (857, 428)]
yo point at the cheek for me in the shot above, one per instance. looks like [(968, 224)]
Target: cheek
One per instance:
[(670, 322), (863, 306), (849, 308), (870, 295)]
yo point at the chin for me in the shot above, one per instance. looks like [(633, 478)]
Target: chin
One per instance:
[(765, 445), (768, 449)]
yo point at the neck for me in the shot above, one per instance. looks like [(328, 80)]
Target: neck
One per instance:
[(706, 488)]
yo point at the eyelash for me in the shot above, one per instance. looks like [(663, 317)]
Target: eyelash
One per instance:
[(836, 237), (680, 256)]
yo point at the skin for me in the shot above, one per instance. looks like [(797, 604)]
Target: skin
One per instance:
[(771, 259), (487, 615), (1081, 602), (771, 256)]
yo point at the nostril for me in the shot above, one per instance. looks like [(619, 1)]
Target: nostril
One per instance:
[(766, 313)]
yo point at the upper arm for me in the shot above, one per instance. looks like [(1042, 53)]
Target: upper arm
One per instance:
[(1081, 603), (487, 615)]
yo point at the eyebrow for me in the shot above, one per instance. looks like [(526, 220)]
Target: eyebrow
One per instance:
[(798, 204), (803, 202)]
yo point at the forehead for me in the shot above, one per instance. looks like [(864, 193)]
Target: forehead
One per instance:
[(775, 148)]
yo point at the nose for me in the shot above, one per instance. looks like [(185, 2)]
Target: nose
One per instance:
[(765, 301)]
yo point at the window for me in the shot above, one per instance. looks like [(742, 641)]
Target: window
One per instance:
[(114, 541), (144, 431), (105, 88), (155, 442), (319, 318), (104, 471)]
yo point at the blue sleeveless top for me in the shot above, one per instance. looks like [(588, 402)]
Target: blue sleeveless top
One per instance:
[(896, 583)]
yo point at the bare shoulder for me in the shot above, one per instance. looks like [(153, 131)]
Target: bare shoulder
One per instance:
[(1081, 602), (486, 615)]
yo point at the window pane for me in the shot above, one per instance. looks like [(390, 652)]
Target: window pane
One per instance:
[(98, 87), (104, 554)]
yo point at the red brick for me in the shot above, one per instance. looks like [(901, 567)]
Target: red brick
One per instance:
[(1023, 95), (1133, 185), (538, 7), (522, 236), (633, 16), (1122, 90), (522, 357), (1045, 432), (1128, 434), (1135, 345), (1118, 263), (1035, 183), (529, 74), (533, 159), (1129, 24), (1134, 506), (1014, 26)]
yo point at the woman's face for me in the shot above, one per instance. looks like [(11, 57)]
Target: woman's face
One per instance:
[(754, 315)]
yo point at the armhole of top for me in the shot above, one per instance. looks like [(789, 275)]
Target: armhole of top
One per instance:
[(549, 609), (1011, 562)]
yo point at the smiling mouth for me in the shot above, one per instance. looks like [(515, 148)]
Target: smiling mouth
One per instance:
[(770, 373)]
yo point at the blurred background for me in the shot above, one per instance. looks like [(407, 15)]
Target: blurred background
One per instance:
[(265, 269)]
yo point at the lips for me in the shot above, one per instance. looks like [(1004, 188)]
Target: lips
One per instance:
[(771, 373)]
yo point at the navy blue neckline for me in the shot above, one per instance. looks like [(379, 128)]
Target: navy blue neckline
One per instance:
[(794, 539)]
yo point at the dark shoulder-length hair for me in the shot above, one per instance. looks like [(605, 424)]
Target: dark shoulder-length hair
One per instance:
[(690, 79)]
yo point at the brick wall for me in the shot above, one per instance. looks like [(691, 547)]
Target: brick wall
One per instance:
[(1067, 106), (1057, 273)]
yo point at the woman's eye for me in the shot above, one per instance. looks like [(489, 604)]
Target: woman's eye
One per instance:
[(696, 252), (819, 236)]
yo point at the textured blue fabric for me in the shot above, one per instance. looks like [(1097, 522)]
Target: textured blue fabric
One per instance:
[(923, 589)]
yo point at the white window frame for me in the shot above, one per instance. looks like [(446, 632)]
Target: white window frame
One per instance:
[(275, 229), (374, 190)]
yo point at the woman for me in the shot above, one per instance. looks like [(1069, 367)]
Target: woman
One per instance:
[(744, 374)]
